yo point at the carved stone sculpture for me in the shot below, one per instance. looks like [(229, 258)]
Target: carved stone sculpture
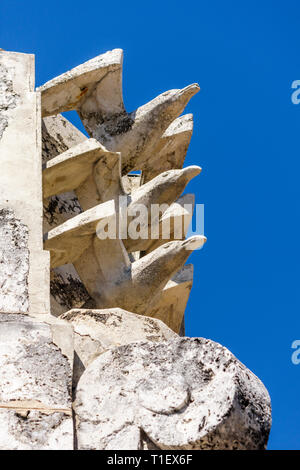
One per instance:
[(153, 140), (112, 371)]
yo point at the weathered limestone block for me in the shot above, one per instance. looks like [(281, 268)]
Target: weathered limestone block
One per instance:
[(35, 383), (14, 264), (185, 393), (96, 331), (131, 182), (20, 174)]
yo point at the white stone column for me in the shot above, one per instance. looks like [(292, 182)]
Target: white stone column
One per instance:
[(36, 350), (24, 266)]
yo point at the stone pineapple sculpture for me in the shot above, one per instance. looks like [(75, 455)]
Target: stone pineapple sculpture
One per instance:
[(82, 176)]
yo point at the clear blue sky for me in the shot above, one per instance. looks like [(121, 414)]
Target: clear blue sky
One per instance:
[(245, 56)]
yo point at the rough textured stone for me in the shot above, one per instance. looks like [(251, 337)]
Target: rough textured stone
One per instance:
[(67, 290), (35, 383), (181, 394), (96, 331), (8, 98), (35, 430), (14, 264)]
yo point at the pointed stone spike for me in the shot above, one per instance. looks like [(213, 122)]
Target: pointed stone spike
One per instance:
[(68, 241), (151, 273), (104, 182), (178, 217), (173, 225), (171, 149), (183, 207), (194, 243), (69, 170), (142, 285), (67, 91), (171, 304), (164, 188), (136, 134), (181, 125)]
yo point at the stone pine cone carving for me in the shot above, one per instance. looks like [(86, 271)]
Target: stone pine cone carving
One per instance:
[(184, 393), (82, 178)]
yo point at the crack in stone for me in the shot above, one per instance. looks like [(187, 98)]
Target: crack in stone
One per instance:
[(20, 405)]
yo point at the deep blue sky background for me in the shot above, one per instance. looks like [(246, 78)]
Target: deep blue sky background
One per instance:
[(245, 56)]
